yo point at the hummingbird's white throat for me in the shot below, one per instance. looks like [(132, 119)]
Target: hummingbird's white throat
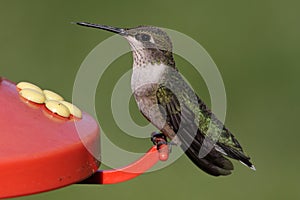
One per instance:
[(143, 76), (145, 73)]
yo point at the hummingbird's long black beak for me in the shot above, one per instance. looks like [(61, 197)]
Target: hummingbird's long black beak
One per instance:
[(119, 31)]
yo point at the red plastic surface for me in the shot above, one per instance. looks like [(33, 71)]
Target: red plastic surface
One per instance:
[(131, 171), (40, 151)]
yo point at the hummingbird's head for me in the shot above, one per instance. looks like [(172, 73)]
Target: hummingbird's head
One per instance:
[(149, 44), (148, 37)]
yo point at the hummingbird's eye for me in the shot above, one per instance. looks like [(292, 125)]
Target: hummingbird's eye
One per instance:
[(143, 37)]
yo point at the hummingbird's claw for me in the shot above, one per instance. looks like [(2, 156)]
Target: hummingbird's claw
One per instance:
[(158, 139)]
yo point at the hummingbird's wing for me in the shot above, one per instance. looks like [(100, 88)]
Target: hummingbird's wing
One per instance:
[(213, 163), (181, 118)]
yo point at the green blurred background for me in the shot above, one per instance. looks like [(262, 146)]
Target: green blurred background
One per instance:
[(255, 44)]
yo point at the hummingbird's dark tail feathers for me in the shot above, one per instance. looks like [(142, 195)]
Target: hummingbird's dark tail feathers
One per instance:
[(237, 154), (214, 163)]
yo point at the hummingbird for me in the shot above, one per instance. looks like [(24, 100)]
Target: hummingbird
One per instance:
[(167, 101)]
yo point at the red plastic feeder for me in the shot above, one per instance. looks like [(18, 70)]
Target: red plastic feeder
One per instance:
[(40, 151)]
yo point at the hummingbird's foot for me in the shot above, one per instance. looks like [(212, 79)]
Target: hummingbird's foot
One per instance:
[(163, 147), (158, 139)]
